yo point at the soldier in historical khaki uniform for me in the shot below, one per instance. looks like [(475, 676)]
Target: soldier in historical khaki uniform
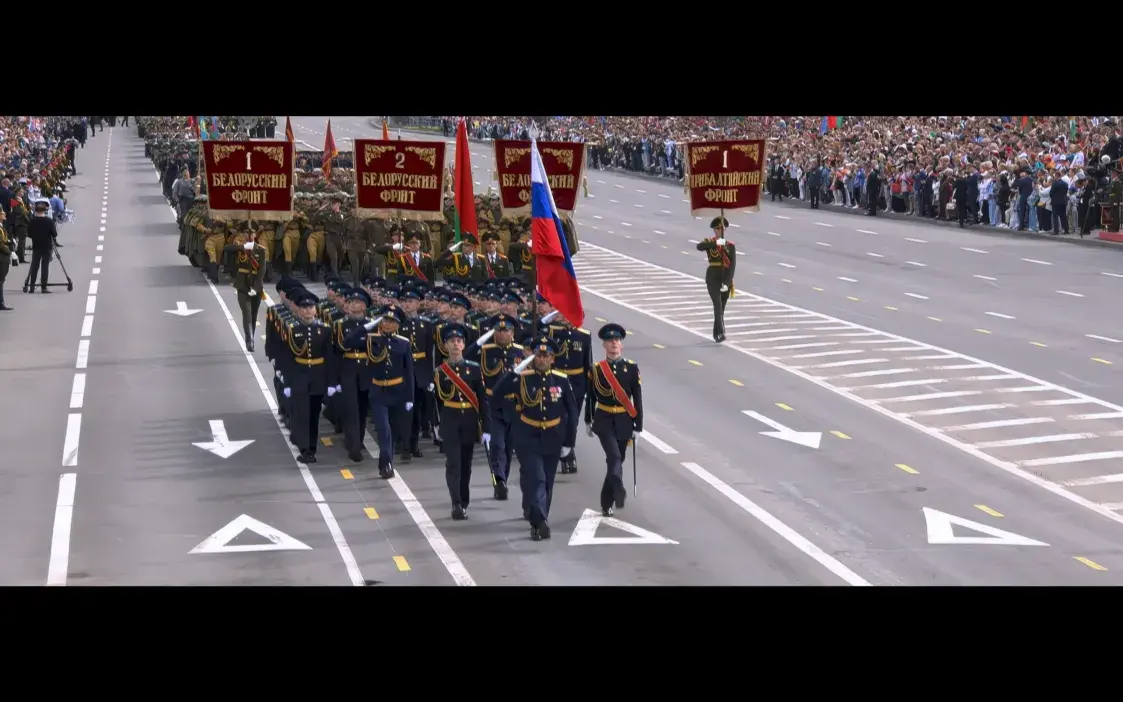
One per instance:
[(314, 243), (247, 272), (214, 243), (294, 231), (357, 242), (331, 222)]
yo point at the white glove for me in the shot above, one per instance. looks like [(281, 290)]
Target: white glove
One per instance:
[(725, 288), (409, 406), (487, 440), (721, 241), (288, 392), (589, 430), (331, 391), (430, 388), (339, 388), (530, 244), (398, 246), (636, 434), (566, 450), (248, 246), (252, 293), (15, 258), (278, 374)]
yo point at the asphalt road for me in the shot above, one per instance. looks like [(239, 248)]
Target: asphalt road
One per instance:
[(984, 365)]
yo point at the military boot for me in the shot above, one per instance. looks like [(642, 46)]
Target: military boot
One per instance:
[(247, 331), (385, 469)]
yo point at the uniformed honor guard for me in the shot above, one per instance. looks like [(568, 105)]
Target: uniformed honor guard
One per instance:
[(415, 264), (614, 413), (352, 388), (307, 368), (390, 380), (332, 223), (721, 257), (492, 265), (248, 280), (465, 418), (278, 316), (495, 359), (457, 261), (547, 423), (420, 333), (575, 360)]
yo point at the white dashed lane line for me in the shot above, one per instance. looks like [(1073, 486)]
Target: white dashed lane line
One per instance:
[(985, 277), (847, 280), (917, 296), (1034, 260), (875, 255), (1104, 338), (1000, 315), (1071, 294), (914, 263), (916, 241), (866, 231), (822, 243), (823, 224), (968, 248)]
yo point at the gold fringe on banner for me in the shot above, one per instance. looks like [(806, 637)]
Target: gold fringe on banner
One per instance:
[(403, 215)]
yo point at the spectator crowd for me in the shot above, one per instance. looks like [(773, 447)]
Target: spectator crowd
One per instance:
[(1012, 172)]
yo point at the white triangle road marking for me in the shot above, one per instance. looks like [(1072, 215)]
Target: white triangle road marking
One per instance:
[(585, 533), (218, 541), (940, 532)]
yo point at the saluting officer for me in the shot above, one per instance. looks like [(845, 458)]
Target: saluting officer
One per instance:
[(495, 359), (420, 333), (352, 388), (390, 380), (547, 423), (465, 418), (248, 280), (575, 360), (614, 412), (491, 265), (307, 367), (721, 257), (456, 262)]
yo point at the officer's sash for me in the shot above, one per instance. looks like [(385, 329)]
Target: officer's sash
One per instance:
[(617, 389), (411, 268), (461, 386)]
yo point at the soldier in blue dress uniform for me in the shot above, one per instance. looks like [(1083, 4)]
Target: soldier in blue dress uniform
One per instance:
[(545, 425), (389, 380), (465, 416), (575, 360), (352, 385), (614, 412), (307, 364), (420, 334), (496, 358)]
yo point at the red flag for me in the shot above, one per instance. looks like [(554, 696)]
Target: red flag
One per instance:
[(385, 130), (193, 125), (330, 152), (462, 183), (288, 130)]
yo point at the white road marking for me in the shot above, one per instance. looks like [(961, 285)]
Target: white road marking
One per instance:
[(786, 265), (101, 229), (866, 231), (659, 232), (100, 247), (59, 562), (1034, 260), (917, 296), (637, 205), (1097, 480), (1000, 315), (848, 280), (87, 325), (664, 211), (597, 217), (83, 354), (615, 202), (985, 277), (70, 442), (1113, 275), (822, 243), (618, 185), (967, 248), (91, 303), (783, 530), (641, 191), (774, 233), (914, 263), (93, 287), (916, 241), (735, 225), (1071, 294), (665, 197), (1076, 458), (78, 391), (101, 237), (875, 255), (824, 224), (96, 271), (1104, 338), (781, 217), (626, 224)]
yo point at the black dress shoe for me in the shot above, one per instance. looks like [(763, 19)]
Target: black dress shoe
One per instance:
[(459, 513), (416, 453), (307, 457), (500, 490), (5, 308), (356, 456)]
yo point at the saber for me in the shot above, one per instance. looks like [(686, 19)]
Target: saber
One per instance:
[(635, 487), (548, 318)]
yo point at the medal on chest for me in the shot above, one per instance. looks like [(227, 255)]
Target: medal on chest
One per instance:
[(555, 393)]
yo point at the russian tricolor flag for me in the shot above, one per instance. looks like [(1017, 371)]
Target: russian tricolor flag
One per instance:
[(557, 281)]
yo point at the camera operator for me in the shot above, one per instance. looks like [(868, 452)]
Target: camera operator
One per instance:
[(7, 258), (42, 232)]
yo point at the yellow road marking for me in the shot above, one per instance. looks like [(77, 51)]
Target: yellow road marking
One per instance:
[(982, 331), (1100, 360), (371, 514), (840, 434), (989, 511), (907, 469), (889, 307), (853, 298), (629, 331), (738, 383), (695, 363), (817, 289), (935, 319), (1038, 343), (1090, 563), (659, 346), (347, 475), (402, 564), (782, 406), (326, 441), (600, 319)]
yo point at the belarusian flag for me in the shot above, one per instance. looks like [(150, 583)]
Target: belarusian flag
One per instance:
[(464, 220)]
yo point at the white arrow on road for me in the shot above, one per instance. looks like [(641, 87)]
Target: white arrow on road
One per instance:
[(810, 439), (181, 310), (221, 445)]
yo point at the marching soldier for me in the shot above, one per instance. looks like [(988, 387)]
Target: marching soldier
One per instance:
[(352, 390), (520, 255), (332, 224), (465, 417), (248, 279), (292, 233), (547, 423), (278, 317), (492, 265), (458, 306), (457, 264), (1115, 198), (6, 258), (420, 333), (721, 256), (306, 369), (575, 360), (389, 379), (329, 311), (614, 412), (496, 359), (358, 242), (214, 244), (314, 241)]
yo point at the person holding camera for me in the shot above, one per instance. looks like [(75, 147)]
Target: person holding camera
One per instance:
[(42, 232)]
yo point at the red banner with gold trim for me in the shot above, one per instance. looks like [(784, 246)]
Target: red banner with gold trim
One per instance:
[(249, 179), (724, 175), (403, 179), (565, 168)]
